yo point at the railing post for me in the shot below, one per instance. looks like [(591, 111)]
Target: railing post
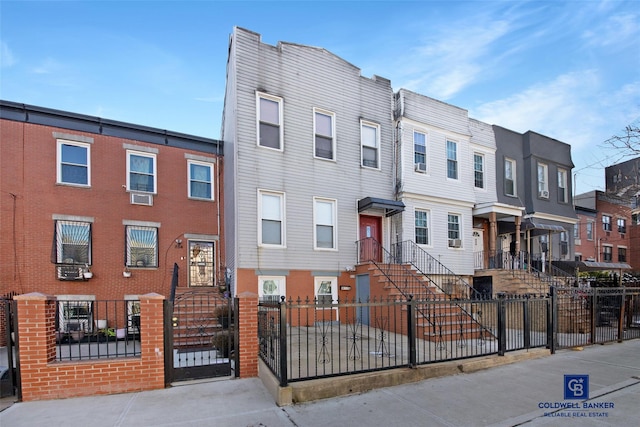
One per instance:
[(502, 324), (411, 331), (621, 316), (526, 323), (552, 318), (593, 299), (284, 380)]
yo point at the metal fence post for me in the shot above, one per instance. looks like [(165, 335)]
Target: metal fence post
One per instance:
[(502, 324), (526, 323), (411, 331), (552, 318), (284, 380), (621, 316), (593, 299)]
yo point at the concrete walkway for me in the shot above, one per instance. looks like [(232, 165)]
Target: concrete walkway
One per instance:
[(527, 393)]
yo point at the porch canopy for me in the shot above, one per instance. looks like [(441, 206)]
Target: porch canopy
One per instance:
[(539, 228), (390, 207), (601, 266)]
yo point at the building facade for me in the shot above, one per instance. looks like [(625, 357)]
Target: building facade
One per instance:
[(95, 209)]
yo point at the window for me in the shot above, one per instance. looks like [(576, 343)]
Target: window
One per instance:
[(72, 248), (269, 121), (564, 244), (422, 227), (141, 172), (607, 253), (453, 229), (201, 263), (543, 181), (271, 214), (452, 160), (478, 170), (142, 246), (73, 163), (576, 231), (324, 211), (509, 177), (622, 225), (606, 222), (589, 230), (324, 142), (200, 180), (563, 193), (271, 288), (622, 254), (326, 289), (370, 134), (420, 151)]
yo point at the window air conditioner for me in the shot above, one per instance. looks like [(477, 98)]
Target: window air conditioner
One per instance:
[(141, 199), (455, 243), (421, 167), (544, 194)]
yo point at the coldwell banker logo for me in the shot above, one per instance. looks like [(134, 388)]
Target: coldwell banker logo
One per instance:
[(576, 387)]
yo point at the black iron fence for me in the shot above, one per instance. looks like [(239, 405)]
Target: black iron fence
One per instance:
[(97, 329), (307, 339)]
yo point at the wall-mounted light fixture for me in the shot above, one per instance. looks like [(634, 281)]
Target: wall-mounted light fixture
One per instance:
[(178, 243), (345, 288)]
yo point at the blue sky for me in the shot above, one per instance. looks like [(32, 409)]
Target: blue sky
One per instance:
[(569, 70)]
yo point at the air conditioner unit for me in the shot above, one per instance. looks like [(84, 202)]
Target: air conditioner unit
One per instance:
[(69, 272), (544, 194), (141, 199), (421, 167), (455, 243)]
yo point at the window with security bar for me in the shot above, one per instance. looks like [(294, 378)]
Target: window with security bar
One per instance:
[(72, 248), (142, 246)]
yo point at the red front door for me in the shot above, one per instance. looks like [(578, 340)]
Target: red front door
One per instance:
[(370, 238)]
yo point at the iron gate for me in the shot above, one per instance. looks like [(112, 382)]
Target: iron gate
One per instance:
[(200, 336), (10, 379)]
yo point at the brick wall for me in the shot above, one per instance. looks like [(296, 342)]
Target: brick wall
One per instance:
[(45, 378), (248, 334)]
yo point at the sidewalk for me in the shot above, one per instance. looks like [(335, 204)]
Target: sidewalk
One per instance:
[(503, 396)]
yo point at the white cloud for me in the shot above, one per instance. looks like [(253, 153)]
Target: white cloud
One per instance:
[(615, 31), (7, 59), (48, 66)]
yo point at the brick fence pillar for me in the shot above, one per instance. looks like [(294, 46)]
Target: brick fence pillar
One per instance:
[(248, 334), (36, 340), (152, 338)]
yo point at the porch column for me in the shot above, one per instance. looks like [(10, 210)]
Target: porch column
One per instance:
[(493, 233), (517, 221)]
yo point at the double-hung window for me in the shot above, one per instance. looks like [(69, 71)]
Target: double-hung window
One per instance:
[(72, 248), (141, 246), (271, 288), (510, 177), (622, 254), (478, 170), (141, 172), (269, 121), (324, 212), (74, 163), (563, 192), (370, 140), (543, 181), (453, 230), (622, 225), (324, 135), (200, 177), (606, 222), (271, 214), (607, 253), (589, 230), (420, 151), (452, 160), (422, 227)]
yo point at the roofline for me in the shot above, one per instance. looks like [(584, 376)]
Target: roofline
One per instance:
[(32, 114)]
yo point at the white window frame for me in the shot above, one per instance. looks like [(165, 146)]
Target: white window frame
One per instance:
[(154, 173), (281, 288), (282, 218), (513, 164), (607, 250), (589, 230), (334, 223), (621, 225), (427, 226), (60, 163), (606, 223), (332, 116), (280, 102), (452, 160), (154, 244), (563, 190), (415, 152), (191, 179), (366, 124), (543, 179), (450, 237), (318, 282), (476, 171)]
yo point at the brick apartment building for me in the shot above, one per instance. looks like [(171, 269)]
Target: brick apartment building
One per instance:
[(122, 202)]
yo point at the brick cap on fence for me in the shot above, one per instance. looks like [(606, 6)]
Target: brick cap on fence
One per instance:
[(34, 296), (248, 294)]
